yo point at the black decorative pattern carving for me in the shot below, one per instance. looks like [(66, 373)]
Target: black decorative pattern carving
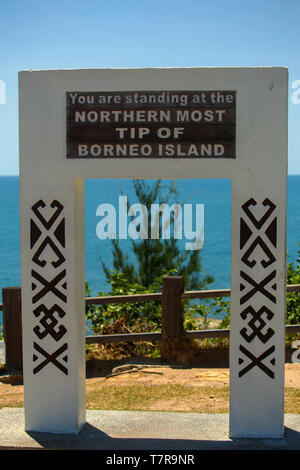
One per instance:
[(258, 238), (49, 322), (258, 287), (257, 324), (50, 358), (49, 286), (265, 263), (41, 262), (257, 361), (47, 223), (258, 223)]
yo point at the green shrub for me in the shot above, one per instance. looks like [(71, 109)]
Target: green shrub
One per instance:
[(293, 298)]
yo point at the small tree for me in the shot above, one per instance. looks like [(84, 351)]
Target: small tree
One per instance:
[(154, 258), (155, 255)]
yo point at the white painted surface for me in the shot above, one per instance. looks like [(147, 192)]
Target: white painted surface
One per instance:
[(55, 401)]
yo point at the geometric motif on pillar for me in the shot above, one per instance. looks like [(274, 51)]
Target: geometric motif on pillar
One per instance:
[(257, 361), (258, 242), (49, 286)]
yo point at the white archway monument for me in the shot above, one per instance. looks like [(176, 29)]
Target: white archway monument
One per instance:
[(204, 123)]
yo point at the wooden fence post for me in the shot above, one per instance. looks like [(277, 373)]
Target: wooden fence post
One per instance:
[(12, 327), (172, 313)]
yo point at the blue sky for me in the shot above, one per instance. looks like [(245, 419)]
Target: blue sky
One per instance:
[(54, 34)]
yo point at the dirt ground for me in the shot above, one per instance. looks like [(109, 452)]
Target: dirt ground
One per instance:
[(183, 376), (11, 388)]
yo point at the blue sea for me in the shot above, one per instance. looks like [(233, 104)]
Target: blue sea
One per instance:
[(215, 254)]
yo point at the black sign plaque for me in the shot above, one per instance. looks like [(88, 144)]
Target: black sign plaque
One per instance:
[(151, 124)]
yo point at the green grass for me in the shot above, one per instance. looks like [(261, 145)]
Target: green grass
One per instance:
[(173, 397), (157, 397)]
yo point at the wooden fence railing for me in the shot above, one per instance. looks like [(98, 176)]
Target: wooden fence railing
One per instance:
[(171, 297)]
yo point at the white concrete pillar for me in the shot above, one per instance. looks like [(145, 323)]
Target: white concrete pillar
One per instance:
[(257, 335), (53, 304), (258, 262)]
